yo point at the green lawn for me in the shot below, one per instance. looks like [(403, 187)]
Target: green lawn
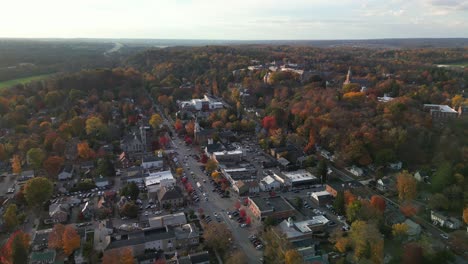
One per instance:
[(10, 83)]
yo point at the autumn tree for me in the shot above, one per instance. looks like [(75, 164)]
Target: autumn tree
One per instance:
[(15, 249), (322, 170), (378, 202), (407, 186), (19, 250), (408, 210), (179, 172), (35, 157), (10, 217), (178, 125), (190, 128), (130, 190), (119, 256), (366, 241), (155, 121), (94, 125), (215, 175), (211, 165), (84, 151), (3, 152), (16, 164), (71, 240), (293, 257), (352, 210), (37, 191), (77, 125), (399, 230), (217, 236), (56, 237), (53, 164)]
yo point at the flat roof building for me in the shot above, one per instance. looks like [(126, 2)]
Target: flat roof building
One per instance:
[(299, 177), (277, 207)]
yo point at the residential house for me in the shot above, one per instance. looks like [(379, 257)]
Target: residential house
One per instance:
[(396, 165), (383, 184), (87, 165), (66, 173), (356, 171), (132, 143), (421, 177), (254, 187), (124, 161), (26, 175), (102, 181), (444, 221), (269, 184), (187, 236), (414, 230), (196, 258), (334, 188), (170, 196), (440, 114), (59, 212), (176, 219)]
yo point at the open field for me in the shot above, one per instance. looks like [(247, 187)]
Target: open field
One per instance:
[(10, 83)]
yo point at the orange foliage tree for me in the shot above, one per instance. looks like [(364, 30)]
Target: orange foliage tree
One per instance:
[(84, 151), (71, 240), (8, 250), (408, 209), (465, 215), (349, 197), (121, 256), (407, 186), (53, 165), (16, 164), (378, 202), (56, 237)]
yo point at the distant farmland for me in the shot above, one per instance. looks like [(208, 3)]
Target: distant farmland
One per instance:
[(14, 82)]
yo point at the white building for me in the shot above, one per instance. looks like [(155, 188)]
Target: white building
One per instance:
[(228, 156), (268, 184), (157, 180), (299, 177), (152, 162), (356, 171)]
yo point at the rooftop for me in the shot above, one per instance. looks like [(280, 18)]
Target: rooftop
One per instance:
[(157, 177), (441, 108), (277, 202), (306, 226), (300, 175)]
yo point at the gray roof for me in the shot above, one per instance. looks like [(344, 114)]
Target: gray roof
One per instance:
[(142, 236), (169, 193)]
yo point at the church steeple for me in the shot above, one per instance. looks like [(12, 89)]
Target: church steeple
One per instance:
[(348, 77)]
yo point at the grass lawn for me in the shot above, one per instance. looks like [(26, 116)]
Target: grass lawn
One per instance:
[(10, 83)]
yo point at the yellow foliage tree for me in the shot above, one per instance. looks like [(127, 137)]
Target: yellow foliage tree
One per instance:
[(292, 257), (179, 171), (342, 244), (399, 230), (93, 124), (71, 240), (407, 186), (155, 121), (215, 175)]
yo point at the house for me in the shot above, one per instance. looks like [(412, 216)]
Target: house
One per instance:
[(269, 184), (59, 212), (421, 177), (356, 171), (383, 184), (187, 236), (86, 165), (277, 207), (176, 219), (124, 161), (414, 229), (254, 187), (241, 188), (157, 180), (152, 162), (196, 258), (444, 221), (66, 173), (102, 181), (170, 196), (396, 165), (440, 113), (225, 156)]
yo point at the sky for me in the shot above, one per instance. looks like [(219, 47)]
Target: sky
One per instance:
[(234, 19)]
